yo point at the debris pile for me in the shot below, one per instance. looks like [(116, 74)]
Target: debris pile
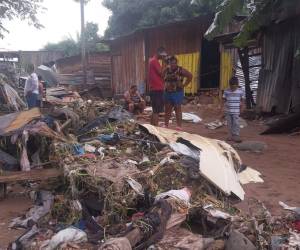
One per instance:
[(126, 185), (9, 97)]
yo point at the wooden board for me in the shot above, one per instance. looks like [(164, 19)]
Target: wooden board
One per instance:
[(33, 175)]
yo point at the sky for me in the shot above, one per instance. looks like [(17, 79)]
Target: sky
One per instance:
[(61, 19)]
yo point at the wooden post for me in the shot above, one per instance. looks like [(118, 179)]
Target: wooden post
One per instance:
[(83, 43), (244, 58)]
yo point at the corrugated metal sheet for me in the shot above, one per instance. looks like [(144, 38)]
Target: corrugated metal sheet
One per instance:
[(182, 38), (255, 67), (128, 62), (191, 63), (275, 84), (226, 71)]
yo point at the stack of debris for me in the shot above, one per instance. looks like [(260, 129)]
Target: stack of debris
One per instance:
[(9, 97), (131, 186)]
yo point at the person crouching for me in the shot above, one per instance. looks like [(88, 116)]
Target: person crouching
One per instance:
[(176, 79), (134, 102)]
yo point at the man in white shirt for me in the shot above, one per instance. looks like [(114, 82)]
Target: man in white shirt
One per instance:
[(31, 90)]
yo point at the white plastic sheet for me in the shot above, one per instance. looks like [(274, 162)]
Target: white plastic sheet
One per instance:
[(218, 160)]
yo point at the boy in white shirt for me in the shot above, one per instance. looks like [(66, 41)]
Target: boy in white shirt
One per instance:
[(234, 98)]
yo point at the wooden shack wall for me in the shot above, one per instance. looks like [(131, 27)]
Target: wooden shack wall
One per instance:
[(128, 63), (38, 57), (98, 62), (130, 54), (179, 38), (98, 71)]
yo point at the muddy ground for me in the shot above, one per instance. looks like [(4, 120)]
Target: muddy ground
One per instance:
[(279, 165)]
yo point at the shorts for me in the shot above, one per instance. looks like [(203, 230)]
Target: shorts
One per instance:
[(174, 98), (157, 101)]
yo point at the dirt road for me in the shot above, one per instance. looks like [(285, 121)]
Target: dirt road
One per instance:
[(279, 164)]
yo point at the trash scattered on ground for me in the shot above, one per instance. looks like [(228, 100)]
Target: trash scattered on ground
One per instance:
[(190, 117), (287, 207), (214, 125), (250, 175), (126, 185), (220, 123)]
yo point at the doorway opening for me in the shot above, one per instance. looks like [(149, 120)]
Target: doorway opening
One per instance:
[(210, 65)]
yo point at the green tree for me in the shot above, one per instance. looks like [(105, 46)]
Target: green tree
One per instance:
[(129, 15), (259, 13), (71, 46), (23, 9)]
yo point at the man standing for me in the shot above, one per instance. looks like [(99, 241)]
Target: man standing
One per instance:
[(156, 84), (31, 90)]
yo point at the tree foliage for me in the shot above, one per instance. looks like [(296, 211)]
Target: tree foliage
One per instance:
[(260, 13), (23, 9), (129, 15), (71, 46)]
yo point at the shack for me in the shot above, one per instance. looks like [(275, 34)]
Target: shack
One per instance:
[(230, 62), (185, 39), (279, 84), (269, 55), (98, 71)]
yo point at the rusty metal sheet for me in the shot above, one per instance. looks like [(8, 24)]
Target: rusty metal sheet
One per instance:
[(15, 121), (128, 63)]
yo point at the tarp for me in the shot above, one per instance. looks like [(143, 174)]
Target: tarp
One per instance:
[(219, 162), (48, 75)]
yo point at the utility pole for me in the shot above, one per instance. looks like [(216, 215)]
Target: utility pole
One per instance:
[(83, 43)]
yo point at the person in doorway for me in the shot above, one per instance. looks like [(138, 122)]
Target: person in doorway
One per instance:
[(134, 101), (156, 84), (31, 90), (234, 99), (41, 92), (176, 79)]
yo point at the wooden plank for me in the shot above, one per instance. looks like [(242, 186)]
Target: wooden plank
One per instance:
[(14, 121), (33, 175)]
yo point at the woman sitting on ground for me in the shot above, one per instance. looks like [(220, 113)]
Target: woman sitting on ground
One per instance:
[(176, 79), (134, 101)]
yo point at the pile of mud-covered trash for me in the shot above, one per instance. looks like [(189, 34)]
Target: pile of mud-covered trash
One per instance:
[(126, 185)]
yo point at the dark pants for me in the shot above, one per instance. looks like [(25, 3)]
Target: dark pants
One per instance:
[(157, 101), (31, 100)]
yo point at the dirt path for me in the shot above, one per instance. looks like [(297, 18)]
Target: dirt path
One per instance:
[(279, 164), (13, 206)]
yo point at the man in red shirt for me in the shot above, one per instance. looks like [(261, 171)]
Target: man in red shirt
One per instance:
[(156, 84)]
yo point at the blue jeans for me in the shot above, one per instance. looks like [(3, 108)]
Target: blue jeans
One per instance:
[(233, 122), (31, 100)]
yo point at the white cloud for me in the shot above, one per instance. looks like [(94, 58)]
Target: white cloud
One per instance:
[(61, 19)]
